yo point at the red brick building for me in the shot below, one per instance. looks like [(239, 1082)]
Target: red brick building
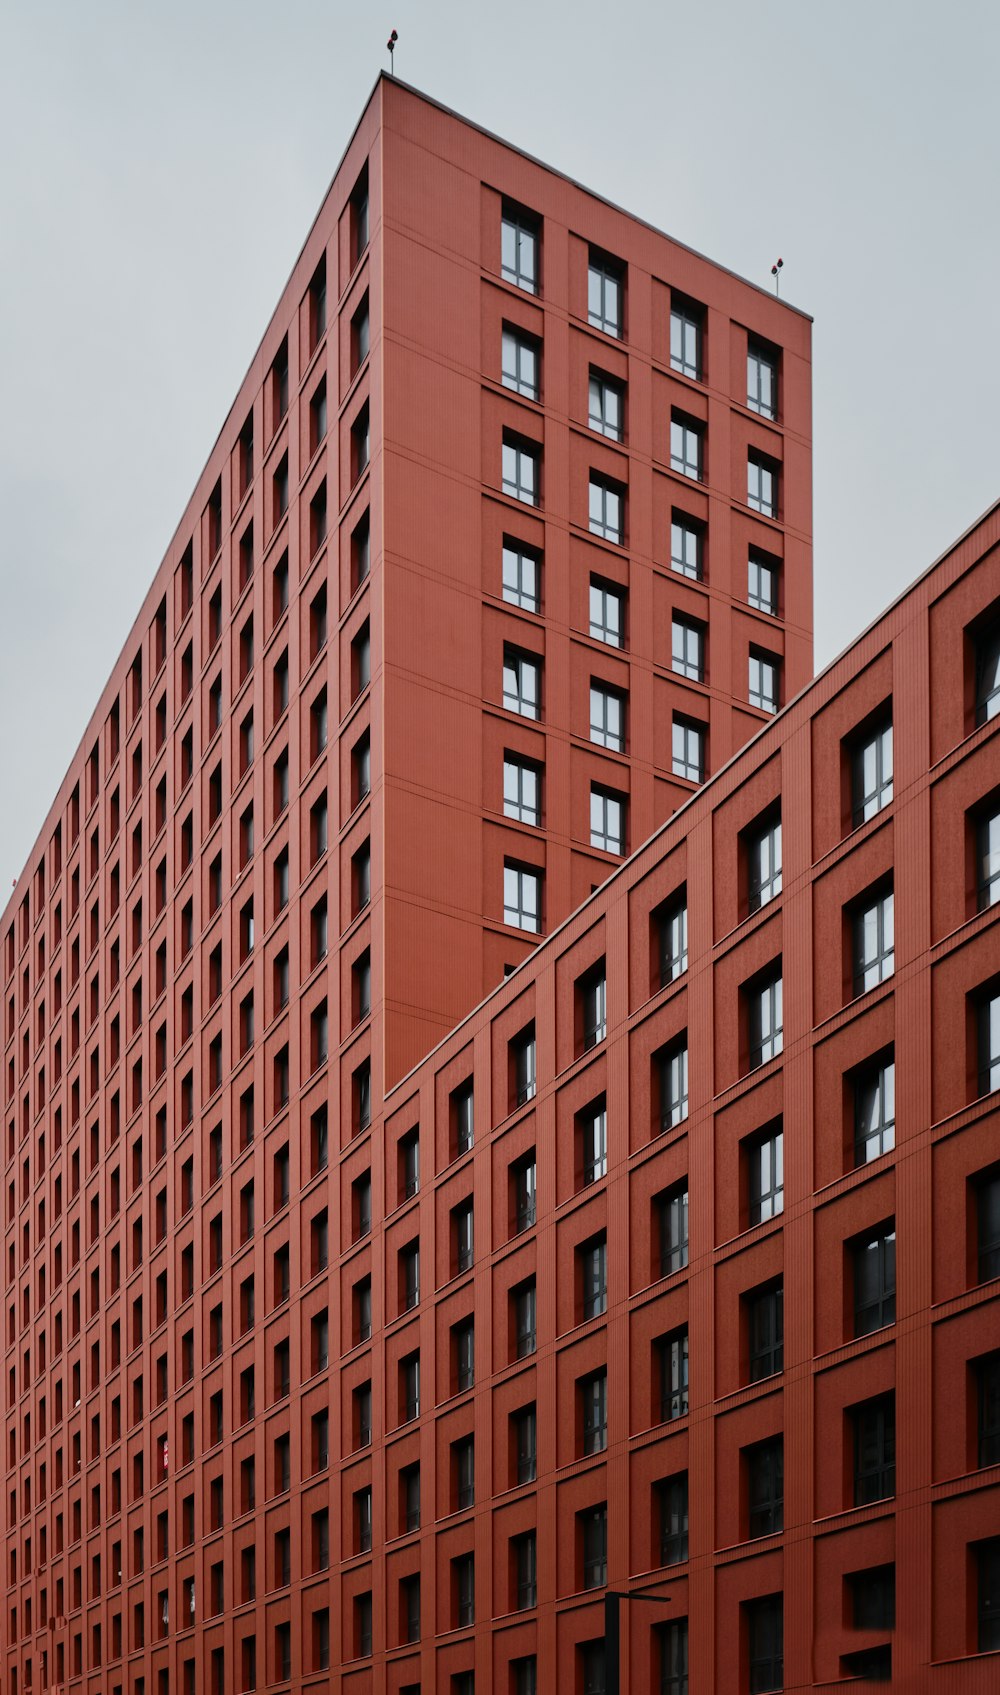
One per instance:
[(304, 1348)]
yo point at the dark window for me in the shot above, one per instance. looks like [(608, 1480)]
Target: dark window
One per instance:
[(462, 1225), (765, 1644), (593, 1668), (987, 652), (765, 1487), (874, 1450), (524, 1176), (987, 1372), (988, 860), (462, 1118), (764, 864), (871, 773), (674, 1657), (525, 1320), (465, 1589), (874, 1110), (765, 1332), (593, 1258), (988, 1043), (672, 1212), (873, 1598), (519, 250), (988, 1595), (594, 1409), (874, 941), (875, 1282), (594, 1536), (522, 676), (987, 1197), (525, 1071), (765, 1019), (464, 1346), (673, 1508), (766, 1176), (673, 1064), (604, 295), (525, 1570), (525, 1444), (672, 927), (673, 1351), (409, 1607)]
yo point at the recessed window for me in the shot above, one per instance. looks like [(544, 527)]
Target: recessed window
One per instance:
[(874, 1110), (525, 1560), (521, 577), (522, 790), (592, 991), (986, 645), (672, 939), (524, 1182), (519, 250), (687, 443), (524, 1067), (604, 295), (672, 1217), (987, 1555), (607, 406), (673, 1069), (873, 926), (462, 1110), (359, 217), (673, 1639), (685, 338), (525, 1319), (765, 1332), (763, 680), (606, 509), (519, 471), (687, 645), (871, 772), (987, 1379), (688, 750), (988, 1042), (765, 1644), (986, 1195), (592, 1258), (762, 486), (592, 1130), (874, 1263), (686, 548), (361, 550), (360, 336), (766, 1176), (607, 718), (988, 860), (673, 1375), (763, 864), (593, 1393), (762, 584), (519, 363), (522, 676), (874, 1450), (317, 417), (765, 1465), (522, 897), (607, 820), (360, 443), (464, 1353), (607, 623), (762, 380), (764, 1019), (524, 1432)]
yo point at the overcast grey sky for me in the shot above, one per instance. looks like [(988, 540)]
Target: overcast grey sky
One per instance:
[(160, 166)]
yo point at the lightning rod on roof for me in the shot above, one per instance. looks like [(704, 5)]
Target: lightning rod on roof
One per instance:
[(391, 44)]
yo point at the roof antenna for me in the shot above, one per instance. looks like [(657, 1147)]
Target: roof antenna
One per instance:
[(775, 269), (391, 44)]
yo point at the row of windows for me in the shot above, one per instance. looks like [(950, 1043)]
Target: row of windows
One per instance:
[(521, 479), (520, 264)]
